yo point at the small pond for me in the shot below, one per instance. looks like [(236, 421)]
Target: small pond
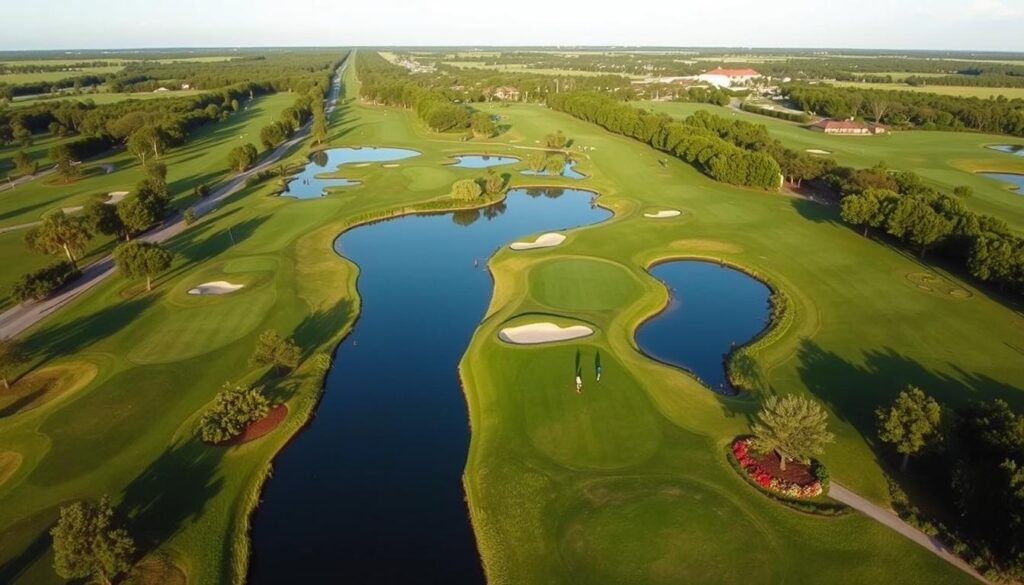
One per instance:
[(371, 491), (1015, 149), (1016, 179), (482, 161), (569, 172), (711, 308), (309, 184)]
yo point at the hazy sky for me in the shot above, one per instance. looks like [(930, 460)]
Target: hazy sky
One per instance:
[(901, 24)]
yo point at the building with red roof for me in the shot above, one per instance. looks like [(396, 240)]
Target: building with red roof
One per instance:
[(720, 77)]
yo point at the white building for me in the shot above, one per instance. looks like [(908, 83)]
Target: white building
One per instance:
[(728, 77)]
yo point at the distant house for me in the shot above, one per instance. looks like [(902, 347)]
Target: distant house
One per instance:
[(186, 86), (848, 127), (728, 77), (506, 93)]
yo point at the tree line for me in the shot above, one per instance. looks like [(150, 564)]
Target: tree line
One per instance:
[(385, 83), (909, 109), (714, 145)]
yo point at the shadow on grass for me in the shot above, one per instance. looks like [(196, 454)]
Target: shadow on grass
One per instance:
[(323, 325), (67, 337), (203, 242), (18, 564), (173, 490)]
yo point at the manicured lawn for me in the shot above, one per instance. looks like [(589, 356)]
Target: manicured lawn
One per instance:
[(954, 90), (625, 482), (945, 159), (106, 97)]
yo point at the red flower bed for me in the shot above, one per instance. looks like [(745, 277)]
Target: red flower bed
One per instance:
[(257, 429), (796, 482)]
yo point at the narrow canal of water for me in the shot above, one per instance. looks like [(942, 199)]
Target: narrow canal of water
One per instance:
[(711, 309), (372, 491)]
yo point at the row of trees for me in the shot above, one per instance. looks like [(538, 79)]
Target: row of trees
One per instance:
[(900, 205), (385, 83), (908, 109), (706, 141), (976, 466)]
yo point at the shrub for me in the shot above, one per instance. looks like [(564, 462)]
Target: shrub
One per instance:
[(42, 283), (466, 189), (232, 411)]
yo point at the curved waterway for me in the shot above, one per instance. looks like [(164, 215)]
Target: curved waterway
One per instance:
[(1016, 149), (482, 161), (309, 184), (371, 491), (711, 308), (1016, 179)]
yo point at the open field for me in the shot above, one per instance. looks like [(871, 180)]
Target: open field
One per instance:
[(57, 75), (945, 159), (626, 482), (954, 90), (519, 68), (104, 97), (202, 160)]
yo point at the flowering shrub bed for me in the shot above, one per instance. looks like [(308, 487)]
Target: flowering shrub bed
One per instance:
[(764, 478)]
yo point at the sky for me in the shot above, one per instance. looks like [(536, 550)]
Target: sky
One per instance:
[(989, 25)]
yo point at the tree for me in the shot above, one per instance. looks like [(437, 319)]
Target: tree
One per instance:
[(556, 140), (911, 424), (65, 162), (232, 411), (23, 164), (60, 234), (963, 191), (136, 259), (274, 350), (147, 140), (319, 130), (12, 357), (86, 544), (242, 157), (482, 124), (865, 209), (466, 189), (103, 219), (271, 135), (156, 172), (22, 135), (135, 215), (535, 160), (554, 164), (493, 183), (792, 426)]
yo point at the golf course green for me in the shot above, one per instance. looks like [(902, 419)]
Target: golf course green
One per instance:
[(623, 482)]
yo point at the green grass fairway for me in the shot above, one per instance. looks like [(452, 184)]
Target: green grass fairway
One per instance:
[(625, 482), (105, 97), (945, 159), (954, 90)]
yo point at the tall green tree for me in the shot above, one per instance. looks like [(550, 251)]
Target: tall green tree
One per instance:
[(911, 424), (232, 411), (103, 219), (12, 357), (466, 189), (792, 426), (274, 350), (242, 157), (147, 140), (135, 215), (136, 259), (87, 544), (319, 130), (60, 234), (23, 164), (65, 162)]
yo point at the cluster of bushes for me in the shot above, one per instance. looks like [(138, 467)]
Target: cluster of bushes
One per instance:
[(902, 206), (232, 411), (704, 140), (801, 118), (36, 286), (704, 95), (909, 109)]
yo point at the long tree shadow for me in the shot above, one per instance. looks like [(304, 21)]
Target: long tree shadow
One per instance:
[(67, 337), (11, 570), (173, 490), (322, 325), (197, 247)]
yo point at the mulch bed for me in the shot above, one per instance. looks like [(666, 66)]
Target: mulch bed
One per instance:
[(795, 472), (261, 427)]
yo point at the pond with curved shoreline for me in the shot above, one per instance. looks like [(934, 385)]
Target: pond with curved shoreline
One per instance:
[(1015, 179), (711, 309), (568, 171), (482, 161), (309, 183), (1014, 149), (372, 489)]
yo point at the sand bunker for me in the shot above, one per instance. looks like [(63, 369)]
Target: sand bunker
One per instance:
[(217, 287), (543, 333), (389, 165), (543, 241), (817, 151), (664, 213), (115, 197)]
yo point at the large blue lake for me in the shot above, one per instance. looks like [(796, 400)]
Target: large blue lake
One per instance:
[(711, 308), (1016, 179), (371, 491)]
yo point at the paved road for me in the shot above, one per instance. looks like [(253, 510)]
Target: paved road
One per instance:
[(17, 319), (887, 517), (9, 185)]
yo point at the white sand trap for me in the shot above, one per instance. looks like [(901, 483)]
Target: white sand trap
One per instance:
[(115, 197), (664, 213), (217, 287), (543, 333), (73, 209), (817, 151), (389, 166), (543, 241)]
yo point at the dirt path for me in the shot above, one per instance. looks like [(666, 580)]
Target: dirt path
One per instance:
[(888, 518), (19, 318)]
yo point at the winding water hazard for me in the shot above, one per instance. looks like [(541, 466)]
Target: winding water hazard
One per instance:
[(371, 491)]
